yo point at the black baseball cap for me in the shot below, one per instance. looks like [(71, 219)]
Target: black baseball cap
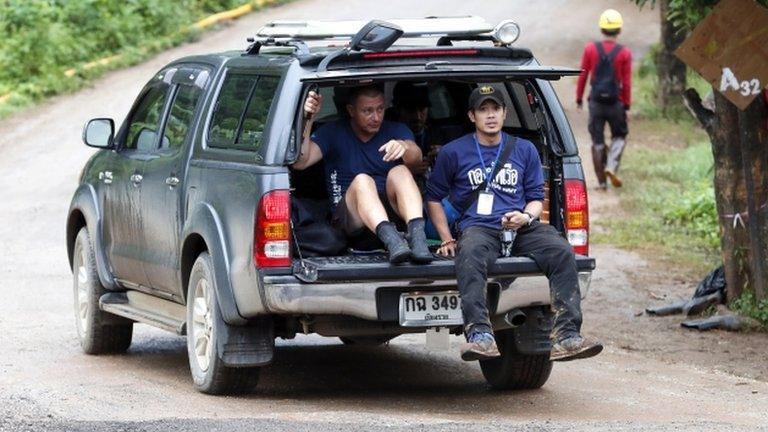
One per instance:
[(483, 93)]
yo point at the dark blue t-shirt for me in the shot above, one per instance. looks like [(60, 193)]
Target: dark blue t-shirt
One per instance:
[(345, 156), (458, 171)]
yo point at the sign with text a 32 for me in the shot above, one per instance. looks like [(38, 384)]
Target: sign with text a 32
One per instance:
[(729, 48)]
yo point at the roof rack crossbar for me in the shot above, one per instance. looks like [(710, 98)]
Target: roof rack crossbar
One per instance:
[(462, 26)]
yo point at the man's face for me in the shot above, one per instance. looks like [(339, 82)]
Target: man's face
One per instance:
[(367, 113), (415, 118), (488, 117)]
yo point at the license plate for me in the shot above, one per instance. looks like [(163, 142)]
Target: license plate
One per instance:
[(430, 309)]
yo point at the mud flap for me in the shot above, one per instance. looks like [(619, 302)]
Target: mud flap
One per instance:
[(249, 345), (533, 336)]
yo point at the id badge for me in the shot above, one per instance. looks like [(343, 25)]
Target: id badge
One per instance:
[(485, 203)]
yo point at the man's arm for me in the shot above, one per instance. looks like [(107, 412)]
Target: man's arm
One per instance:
[(310, 152), (440, 220), (586, 67)]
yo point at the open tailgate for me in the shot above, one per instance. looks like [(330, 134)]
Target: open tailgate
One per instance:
[(376, 267)]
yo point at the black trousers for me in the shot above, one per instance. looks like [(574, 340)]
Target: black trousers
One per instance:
[(479, 247)]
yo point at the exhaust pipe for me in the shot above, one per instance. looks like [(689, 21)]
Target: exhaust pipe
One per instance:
[(515, 318)]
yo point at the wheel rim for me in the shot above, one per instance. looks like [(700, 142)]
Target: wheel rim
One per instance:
[(202, 324), (81, 281)]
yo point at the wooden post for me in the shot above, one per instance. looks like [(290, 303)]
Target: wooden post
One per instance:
[(753, 140)]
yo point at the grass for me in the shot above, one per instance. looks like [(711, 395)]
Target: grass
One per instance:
[(667, 208)]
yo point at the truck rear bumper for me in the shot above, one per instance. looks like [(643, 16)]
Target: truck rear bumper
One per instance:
[(287, 295)]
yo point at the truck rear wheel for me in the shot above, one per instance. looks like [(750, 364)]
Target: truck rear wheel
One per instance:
[(204, 324), (513, 370), (99, 332)]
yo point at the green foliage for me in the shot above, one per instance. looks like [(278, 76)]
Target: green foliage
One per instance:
[(645, 85), (695, 213), (685, 14), (44, 38), (748, 305), (668, 205)]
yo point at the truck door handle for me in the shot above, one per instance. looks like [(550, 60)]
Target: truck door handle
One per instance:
[(106, 177), (136, 179), (172, 181)]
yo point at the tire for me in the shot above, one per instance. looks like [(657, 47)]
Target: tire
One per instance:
[(513, 370), (366, 340), (99, 332), (204, 323)]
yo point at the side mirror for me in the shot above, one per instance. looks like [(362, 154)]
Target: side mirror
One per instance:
[(375, 36), (99, 133)]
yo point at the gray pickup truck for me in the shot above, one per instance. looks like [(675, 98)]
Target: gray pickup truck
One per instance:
[(182, 219)]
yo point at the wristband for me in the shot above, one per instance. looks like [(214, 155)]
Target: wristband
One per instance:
[(530, 218), (447, 242)]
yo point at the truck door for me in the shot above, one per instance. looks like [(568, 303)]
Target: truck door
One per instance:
[(122, 216), (163, 192)]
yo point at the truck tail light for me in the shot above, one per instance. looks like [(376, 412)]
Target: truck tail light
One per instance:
[(577, 215), (272, 230)]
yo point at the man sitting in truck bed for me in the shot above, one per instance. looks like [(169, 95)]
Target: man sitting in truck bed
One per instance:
[(368, 184)]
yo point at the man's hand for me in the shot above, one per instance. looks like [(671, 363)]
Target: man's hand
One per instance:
[(312, 104), (580, 104), (514, 220), (393, 150), (448, 248)]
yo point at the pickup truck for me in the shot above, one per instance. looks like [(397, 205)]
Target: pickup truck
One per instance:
[(182, 218)]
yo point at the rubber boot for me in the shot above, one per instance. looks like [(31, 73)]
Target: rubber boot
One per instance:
[(417, 240), (599, 156), (394, 242)]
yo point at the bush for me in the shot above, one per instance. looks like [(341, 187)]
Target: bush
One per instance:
[(696, 213), (44, 38)]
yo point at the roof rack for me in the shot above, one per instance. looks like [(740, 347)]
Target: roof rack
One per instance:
[(452, 27)]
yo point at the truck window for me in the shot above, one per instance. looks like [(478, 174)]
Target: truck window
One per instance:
[(241, 111), (143, 124), (181, 116), (256, 113)]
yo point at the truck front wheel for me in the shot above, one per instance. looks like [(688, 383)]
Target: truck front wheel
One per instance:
[(513, 370), (99, 332)]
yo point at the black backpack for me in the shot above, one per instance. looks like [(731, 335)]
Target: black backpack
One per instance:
[(605, 88)]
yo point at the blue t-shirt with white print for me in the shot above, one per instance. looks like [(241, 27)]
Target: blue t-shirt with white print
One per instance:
[(458, 171), (345, 156)]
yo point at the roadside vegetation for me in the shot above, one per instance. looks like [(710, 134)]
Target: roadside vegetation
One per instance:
[(668, 202), (668, 208), (43, 39)]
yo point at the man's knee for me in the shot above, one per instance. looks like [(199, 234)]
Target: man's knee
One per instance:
[(398, 173), (362, 182)]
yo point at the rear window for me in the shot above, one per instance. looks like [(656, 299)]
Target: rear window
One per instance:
[(241, 111)]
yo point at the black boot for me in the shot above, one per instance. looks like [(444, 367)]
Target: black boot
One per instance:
[(417, 240), (394, 242)]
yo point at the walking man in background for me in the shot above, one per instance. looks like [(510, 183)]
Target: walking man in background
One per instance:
[(610, 66)]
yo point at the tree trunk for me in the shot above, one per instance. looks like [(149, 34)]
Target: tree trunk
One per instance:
[(739, 140), (671, 71), (754, 150)]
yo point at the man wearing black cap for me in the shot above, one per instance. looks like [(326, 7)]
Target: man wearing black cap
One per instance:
[(512, 200)]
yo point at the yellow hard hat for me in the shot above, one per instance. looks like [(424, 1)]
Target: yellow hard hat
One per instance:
[(611, 20)]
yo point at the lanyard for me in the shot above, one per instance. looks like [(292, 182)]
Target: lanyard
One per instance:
[(482, 162)]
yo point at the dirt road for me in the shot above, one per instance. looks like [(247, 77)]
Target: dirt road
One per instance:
[(641, 382)]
